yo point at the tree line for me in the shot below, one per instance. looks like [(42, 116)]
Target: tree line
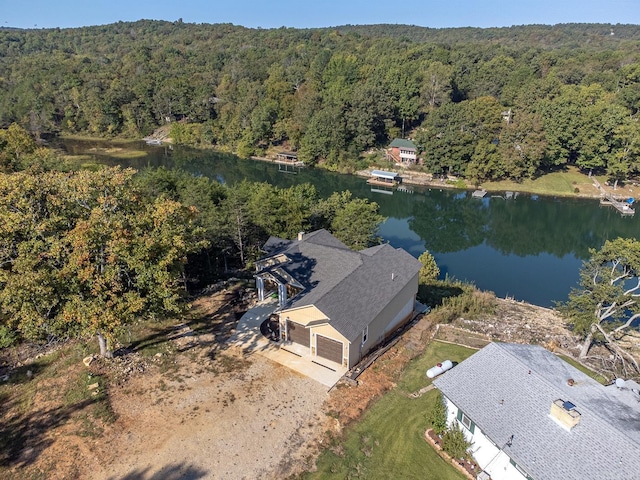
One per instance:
[(89, 252), (482, 103)]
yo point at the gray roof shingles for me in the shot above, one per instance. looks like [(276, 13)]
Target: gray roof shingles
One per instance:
[(507, 389), (350, 287)]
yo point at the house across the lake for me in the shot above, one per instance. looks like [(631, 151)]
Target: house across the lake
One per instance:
[(531, 415), (336, 304), (402, 152)]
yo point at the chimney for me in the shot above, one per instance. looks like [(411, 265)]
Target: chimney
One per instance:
[(300, 236), (564, 413)]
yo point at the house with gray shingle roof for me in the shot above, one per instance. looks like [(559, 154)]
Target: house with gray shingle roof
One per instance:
[(531, 415), (336, 304)]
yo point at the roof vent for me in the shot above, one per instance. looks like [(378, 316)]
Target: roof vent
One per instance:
[(564, 413), (571, 382)]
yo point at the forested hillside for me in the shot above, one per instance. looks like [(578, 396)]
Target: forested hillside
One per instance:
[(483, 103)]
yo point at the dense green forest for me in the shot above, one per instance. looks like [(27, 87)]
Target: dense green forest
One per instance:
[(483, 103), (92, 251)]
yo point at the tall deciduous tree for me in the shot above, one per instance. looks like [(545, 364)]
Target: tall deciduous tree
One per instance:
[(15, 143), (356, 224), (606, 304), (437, 84), (85, 253)]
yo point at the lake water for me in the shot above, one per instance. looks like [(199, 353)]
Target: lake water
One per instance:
[(526, 247)]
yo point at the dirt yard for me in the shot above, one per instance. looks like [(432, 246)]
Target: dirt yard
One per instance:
[(249, 422), (202, 411), (197, 408)]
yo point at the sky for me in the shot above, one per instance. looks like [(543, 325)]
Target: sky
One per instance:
[(319, 13)]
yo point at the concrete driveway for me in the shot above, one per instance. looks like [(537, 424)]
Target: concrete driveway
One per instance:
[(249, 338)]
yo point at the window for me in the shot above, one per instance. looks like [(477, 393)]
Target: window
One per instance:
[(466, 421), (365, 334)]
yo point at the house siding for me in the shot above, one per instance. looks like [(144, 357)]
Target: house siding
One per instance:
[(399, 310), (304, 315), (486, 453)]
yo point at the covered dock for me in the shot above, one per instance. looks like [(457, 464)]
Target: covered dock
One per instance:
[(288, 158), (381, 177)]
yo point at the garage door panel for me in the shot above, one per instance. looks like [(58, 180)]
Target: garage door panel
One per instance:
[(329, 349), (298, 334)]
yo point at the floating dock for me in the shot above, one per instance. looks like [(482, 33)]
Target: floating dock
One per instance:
[(479, 193), (404, 189), (623, 207)]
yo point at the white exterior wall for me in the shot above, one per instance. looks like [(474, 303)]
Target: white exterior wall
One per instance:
[(407, 155), (486, 453)]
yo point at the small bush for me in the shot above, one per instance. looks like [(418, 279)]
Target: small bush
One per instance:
[(7, 336)]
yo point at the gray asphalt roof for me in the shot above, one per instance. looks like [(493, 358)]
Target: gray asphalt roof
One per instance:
[(350, 287), (507, 389), (275, 243)]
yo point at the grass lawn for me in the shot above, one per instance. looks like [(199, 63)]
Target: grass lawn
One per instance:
[(388, 442), (557, 183)]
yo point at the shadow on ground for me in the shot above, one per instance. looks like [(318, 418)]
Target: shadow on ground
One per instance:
[(177, 471), (24, 437)]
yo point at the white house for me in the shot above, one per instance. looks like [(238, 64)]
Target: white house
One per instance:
[(531, 415)]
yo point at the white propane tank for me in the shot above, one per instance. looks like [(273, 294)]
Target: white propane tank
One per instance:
[(439, 368)]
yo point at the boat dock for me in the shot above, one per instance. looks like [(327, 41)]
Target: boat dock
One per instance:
[(479, 193), (381, 177), (624, 207)]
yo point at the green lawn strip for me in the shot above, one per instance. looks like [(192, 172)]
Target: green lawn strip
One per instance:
[(596, 376), (415, 376), (104, 140), (388, 442), (556, 183)]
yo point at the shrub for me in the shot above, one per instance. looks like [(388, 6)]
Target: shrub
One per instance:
[(438, 416), (7, 336), (430, 270), (455, 443), (471, 303)]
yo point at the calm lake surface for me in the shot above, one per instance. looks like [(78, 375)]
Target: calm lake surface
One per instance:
[(526, 247)]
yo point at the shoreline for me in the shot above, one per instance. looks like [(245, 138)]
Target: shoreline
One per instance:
[(584, 187), (590, 188)]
